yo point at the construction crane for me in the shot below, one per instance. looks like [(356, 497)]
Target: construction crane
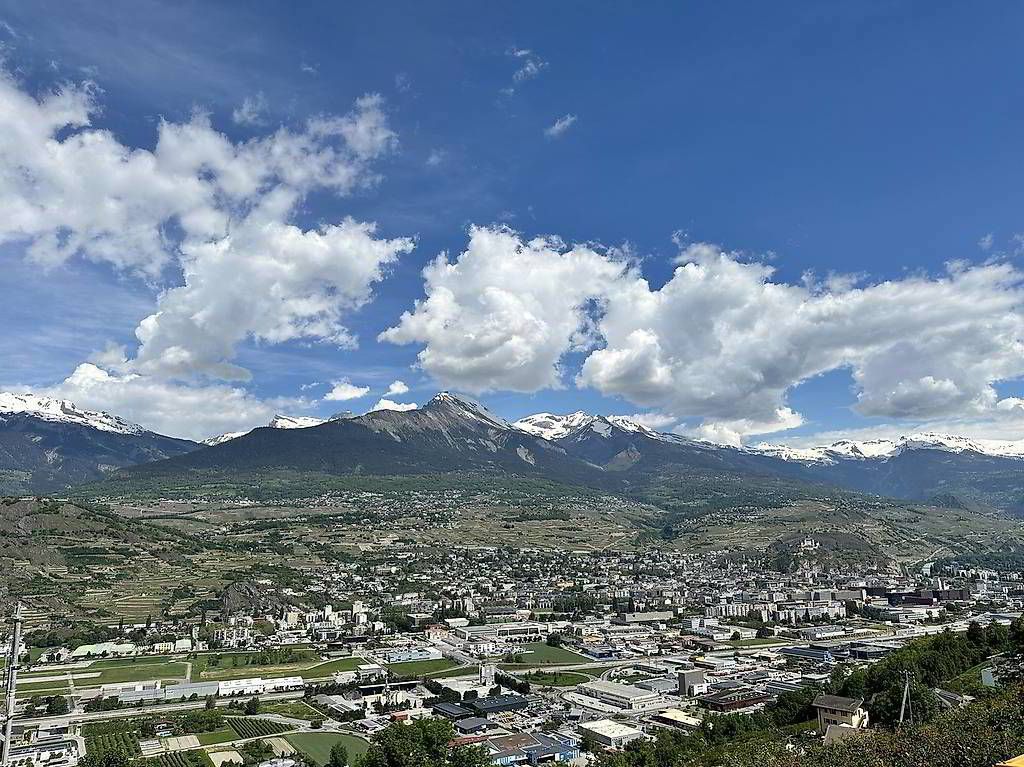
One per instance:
[(12, 681)]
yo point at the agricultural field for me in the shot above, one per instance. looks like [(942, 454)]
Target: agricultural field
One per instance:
[(256, 728), (215, 737), (176, 759), (126, 741), (317, 745)]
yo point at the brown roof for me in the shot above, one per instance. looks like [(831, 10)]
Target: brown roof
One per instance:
[(838, 702)]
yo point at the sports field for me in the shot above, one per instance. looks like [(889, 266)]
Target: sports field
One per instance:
[(317, 745)]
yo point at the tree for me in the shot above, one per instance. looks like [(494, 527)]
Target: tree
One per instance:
[(764, 632), (211, 702), (1016, 636), (339, 756), (252, 706), (57, 705), (736, 636), (113, 757), (424, 742), (588, 744), (554, 640), (975, 633)]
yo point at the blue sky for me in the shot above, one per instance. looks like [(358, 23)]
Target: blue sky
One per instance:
[(878, 140)]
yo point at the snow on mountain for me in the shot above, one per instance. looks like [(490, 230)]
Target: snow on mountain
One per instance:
[(278, 422), (551, 426), (294, 421), (64, 411), (227, 437), (554, 427), (888, 448)]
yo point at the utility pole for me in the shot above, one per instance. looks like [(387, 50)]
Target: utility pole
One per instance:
[(906, 705), (12, 680)]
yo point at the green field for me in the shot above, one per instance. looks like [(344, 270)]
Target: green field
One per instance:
[(333, 667), (317, 745), (217, 736), (453, 672), (146, 660), (421, 667), (294, 709), (256, 728), (243, 665), (88, 677), (543, 654), (126, 742), (176, 759), (557, 678)]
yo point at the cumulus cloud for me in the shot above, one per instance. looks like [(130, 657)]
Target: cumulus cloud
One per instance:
[(251, 110), (387, 404), (560, 126), (653, 420), (505, 312), (721, 341), (397, 388), (179, 410), (346, 390), (221, 211), (986, 241)]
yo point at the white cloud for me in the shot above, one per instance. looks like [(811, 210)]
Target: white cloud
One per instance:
[(653, 420), (251, 110), (178, 410), (735, 431), (345, 390), (530, 65), (436, 157), (504, 314), (986, 242), (403, 82), (560, 126), (721, 340), (397, 388), (221, 211), (386, 404)]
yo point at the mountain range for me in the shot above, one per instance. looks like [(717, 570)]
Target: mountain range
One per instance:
[(48, 445)]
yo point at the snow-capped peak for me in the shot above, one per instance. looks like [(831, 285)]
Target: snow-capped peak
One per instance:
[(888, 448), (551, 426), (279, 422), (294, 421), (467, 408), (65, 411), (555, 427), (226, 437)]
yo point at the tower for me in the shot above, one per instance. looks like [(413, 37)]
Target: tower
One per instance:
[(12, 680)]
